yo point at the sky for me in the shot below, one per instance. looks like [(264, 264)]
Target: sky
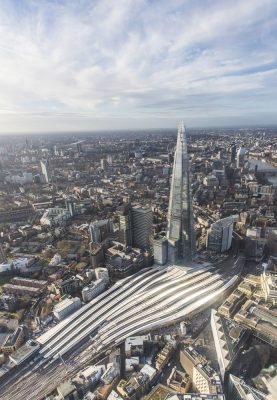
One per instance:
[(134, 64)]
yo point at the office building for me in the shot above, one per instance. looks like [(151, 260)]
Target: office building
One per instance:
[(241, 157), (70, 206), (180, 225), (99, 230), (142, 220), (125, 225), (160, 246), (211, 180), (93, 290), (103, 163), (13, 341), (233, 153), (219, 235), (238, 389), (102, 273), (135, 226), (96, 255), (66, 307), (204, 379), (180, 231), (56, 216), (2, 255), (45, 169)]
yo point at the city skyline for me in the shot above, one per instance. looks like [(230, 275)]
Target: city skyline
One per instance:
[(102, 263), (96, 66)]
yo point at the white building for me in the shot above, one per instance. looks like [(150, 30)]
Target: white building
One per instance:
[(241, 157), (66, 307), (111, 372), (102, 273), (6, 266), (45, 169), (135, 343), (160, 247), (149, 371), (211, 180), (114, 396), (93, 290), (55, 260), (21, 263), (55, 216)]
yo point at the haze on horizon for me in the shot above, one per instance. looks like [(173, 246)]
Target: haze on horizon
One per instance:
[(93, 65)]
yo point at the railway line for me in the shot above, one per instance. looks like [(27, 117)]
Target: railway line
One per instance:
[(150, 299)]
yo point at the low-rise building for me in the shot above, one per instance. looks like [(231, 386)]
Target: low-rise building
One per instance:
[(179, 381), (25, 352), (66, 307), (204, 379), (20, 291), (232, 304), (55, 216), (135, 345), (93, 290), (29, 282), (13, 341)]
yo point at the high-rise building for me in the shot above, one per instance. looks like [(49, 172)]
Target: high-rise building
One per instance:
[(180, 229), (135, 226), (103, 164), (160, 246), (79, 147), (241, 157), (125, 225), (99, 230), (45, 169), (220, 234), (70, 206), (233, 153), (142, 220), (2, 254)]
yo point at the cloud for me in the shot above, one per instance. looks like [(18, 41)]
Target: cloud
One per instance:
[(133, 59)]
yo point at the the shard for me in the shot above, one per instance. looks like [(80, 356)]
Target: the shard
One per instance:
[(180, 227)]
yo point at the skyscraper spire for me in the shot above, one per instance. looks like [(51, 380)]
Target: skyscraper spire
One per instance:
[(179, 244), (180, 230)]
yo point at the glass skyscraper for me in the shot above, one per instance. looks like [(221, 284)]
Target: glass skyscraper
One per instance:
[(180, 227)]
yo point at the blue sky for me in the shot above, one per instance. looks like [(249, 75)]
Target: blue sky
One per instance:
[(88, 65)]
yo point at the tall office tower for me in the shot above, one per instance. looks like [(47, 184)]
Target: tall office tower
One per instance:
[(180, 229), (99, 230), (241, 157), (160, 247), (142, 220), (79, 147), (220, 234), (110, 159), (233, 153), (125, 225), (103, 164), (69, 203), (2, 255), (45, 169)]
